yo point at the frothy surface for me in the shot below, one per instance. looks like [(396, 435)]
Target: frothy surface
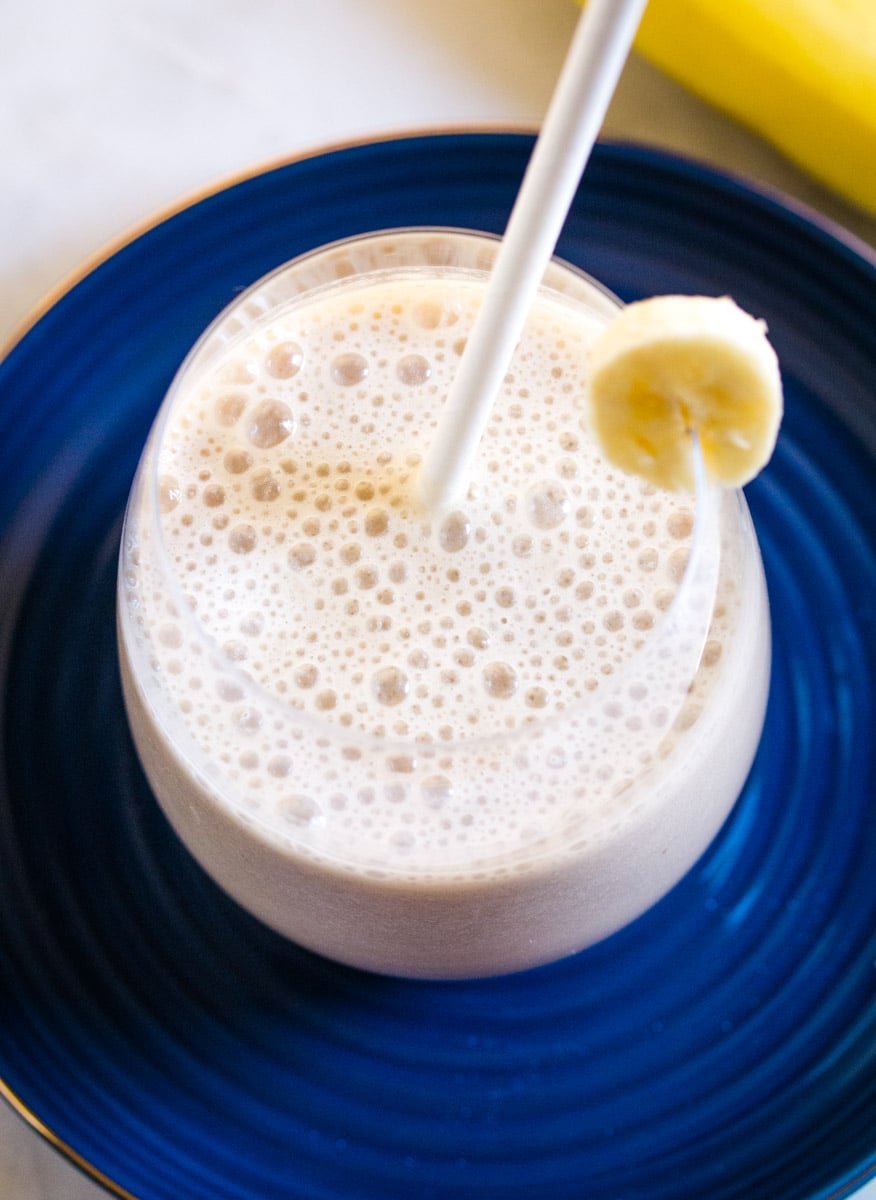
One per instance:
[(287, 511)]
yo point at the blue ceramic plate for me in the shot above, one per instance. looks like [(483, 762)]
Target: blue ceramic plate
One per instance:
[(722, 1046)]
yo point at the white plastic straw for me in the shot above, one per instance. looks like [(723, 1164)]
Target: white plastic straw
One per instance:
[(587, 81)]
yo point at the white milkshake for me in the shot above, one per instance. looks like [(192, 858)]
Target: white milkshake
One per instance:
[(432, 744)]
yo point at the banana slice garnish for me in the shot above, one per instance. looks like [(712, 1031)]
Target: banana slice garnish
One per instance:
[(674, 366)]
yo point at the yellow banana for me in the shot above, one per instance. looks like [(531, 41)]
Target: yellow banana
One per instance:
[(800, 72)]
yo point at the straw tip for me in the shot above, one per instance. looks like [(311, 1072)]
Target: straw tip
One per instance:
[(434, 490), (429, 493)]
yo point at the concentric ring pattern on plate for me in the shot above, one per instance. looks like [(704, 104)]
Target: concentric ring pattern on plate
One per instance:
[(721, 1046)]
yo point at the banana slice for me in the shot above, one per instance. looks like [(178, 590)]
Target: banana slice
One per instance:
[(671, 366)]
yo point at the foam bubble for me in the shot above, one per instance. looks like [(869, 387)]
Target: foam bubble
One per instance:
[(242, 539), (455, 531), (284, 360), (349, 369), (237, 461), (547, 505), (214, 495), (500, 680), (413, 369), (264, 486), (229, 408), (390, 685), (376, 522), (270, 423)]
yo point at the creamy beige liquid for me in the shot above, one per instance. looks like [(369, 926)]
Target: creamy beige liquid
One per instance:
[(415, 712)]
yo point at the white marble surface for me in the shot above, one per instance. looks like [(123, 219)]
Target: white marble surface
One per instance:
[(109, 111)]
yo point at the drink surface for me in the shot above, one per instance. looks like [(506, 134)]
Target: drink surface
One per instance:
[(393, 690)]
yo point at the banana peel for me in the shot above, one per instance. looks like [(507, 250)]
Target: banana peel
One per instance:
[(802, 73)]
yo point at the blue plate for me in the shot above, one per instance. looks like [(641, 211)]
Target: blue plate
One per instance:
[(722, 1046)]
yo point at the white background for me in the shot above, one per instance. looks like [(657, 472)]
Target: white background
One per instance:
[(109, 111)]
